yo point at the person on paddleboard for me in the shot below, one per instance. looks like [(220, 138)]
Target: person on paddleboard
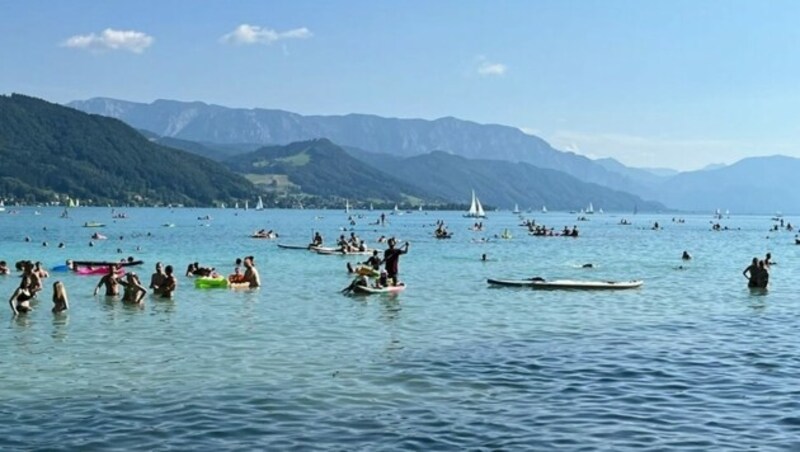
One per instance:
[(391, 259), (374, 261)]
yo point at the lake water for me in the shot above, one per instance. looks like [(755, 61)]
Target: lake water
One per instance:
[(692, 360)]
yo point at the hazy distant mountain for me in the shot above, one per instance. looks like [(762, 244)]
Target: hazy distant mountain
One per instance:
[(752, 185), (713, 166), (48, 150), (321, 168), (661, 172), (501, 184), (197, 121), (645, 177)]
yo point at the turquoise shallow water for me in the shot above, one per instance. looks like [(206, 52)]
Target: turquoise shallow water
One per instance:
[(693, 360)]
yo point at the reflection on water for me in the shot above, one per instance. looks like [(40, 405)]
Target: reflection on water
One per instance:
[(60, 326)]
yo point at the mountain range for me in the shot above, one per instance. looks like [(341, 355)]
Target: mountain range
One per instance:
[(500, 183), (50, 152), (321, 168), (204, 123), (219, 132)]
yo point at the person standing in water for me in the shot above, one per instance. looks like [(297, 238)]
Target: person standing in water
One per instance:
[(391, 259), (168, 286), (60, 300), (20, 301), (251, 273), (134, 291), (110, 281), (752, 273), (157, 278)]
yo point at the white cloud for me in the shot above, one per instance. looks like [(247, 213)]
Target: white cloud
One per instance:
[(110, 39), (487, 68), (252, 34)]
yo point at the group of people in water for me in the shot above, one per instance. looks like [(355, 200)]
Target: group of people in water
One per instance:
[(162, 283), (386, 277), (30, 285), (757, 273), (250, 277), (543, 231)]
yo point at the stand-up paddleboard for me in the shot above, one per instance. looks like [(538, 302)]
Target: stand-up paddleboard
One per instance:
[(539, 283), (338, 252), (372, 290), (295, 247)]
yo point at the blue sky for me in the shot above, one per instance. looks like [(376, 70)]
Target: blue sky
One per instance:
[(676, 84)]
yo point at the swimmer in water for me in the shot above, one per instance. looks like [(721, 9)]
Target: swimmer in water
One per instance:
[(60, 300)]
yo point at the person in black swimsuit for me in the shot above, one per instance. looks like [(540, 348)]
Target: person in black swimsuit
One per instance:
[(20, 300)]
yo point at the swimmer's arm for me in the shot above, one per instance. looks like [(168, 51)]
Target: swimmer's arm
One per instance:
[(100, 284), (11, 302)]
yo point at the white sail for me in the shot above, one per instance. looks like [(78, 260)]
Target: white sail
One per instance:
[(396, 209), (260, 204), (370, 206), (246, 205), (590, 209), (71, 203), (516, 208), (236, 206), (420, 207), (544, 209), (2, 206), (346, 206), (600, 211), (473, 207)]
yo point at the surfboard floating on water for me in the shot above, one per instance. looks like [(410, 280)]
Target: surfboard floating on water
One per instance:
[(372, 290), (539, 283)]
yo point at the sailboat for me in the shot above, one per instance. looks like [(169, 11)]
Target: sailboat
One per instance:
[(71, 203), (600, 211), (346, 206), (236, 206), (544, 209), (420, 208), (260, 204), (475, 208), (590, 209), (370, 206), (2, 206), (516, 209), (245, 205)]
